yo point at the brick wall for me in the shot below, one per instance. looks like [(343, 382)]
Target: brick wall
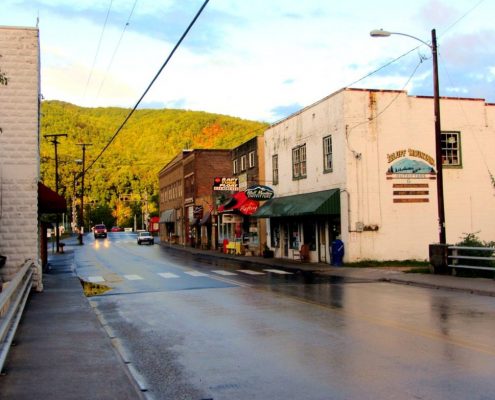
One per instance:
[(19, 148)]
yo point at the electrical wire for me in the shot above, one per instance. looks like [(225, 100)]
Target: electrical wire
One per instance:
[(116, 49), (98, 48), (119, 129)]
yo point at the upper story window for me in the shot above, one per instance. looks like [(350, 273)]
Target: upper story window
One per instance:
[(299, 162), (243, 162), (251, 159), (275, 169), (327, 154), (451, 149), (235, 166)]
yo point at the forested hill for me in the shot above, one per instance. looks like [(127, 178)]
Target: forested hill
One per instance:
[(149, 140)]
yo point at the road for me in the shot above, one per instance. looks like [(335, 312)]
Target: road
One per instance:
[(209, 329)]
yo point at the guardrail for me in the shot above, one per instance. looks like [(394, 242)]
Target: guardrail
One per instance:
[(12, 301), (487, 263)]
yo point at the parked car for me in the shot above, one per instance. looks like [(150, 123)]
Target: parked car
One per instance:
[(117, 229), (145, 237), (100, 231)]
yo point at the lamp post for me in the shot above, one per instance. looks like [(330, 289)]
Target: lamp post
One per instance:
[(438, 131)]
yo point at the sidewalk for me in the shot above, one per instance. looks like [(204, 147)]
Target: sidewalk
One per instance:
[(61, 351), (479, 286)]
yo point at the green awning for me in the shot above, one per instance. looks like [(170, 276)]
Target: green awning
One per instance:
[(167, 216), (326, 202)]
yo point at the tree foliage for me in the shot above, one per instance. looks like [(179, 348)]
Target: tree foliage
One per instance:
[(130, 165)]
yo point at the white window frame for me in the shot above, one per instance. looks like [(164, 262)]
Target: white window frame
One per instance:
[(299, 162), (275, 169), (327, 154), (251, 159), (243, 163), (235, 166)]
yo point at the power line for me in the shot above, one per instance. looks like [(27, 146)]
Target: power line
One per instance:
[(119, 129), (116, 49), (98, 48)]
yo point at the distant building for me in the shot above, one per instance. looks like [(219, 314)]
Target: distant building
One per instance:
[(360, 164), (187, 198), (236, 223)]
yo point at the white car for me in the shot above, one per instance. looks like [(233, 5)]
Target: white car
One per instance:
[(145, 237)]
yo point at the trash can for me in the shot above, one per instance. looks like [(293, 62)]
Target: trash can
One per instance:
[(337, 251)]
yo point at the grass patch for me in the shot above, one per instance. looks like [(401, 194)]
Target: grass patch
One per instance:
[(93, 289)]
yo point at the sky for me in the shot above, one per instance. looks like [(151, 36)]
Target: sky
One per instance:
[(254, 59)]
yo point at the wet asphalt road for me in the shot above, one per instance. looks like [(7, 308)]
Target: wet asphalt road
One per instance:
[(196, 330)]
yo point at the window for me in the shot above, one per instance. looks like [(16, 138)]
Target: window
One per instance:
[(275, 169), (299, 162), (327, 154), (235, 166), (251, 159), (243, 162), (451, 148)]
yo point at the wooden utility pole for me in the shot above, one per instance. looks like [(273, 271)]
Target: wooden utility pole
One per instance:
[(53, 139), (81, 227)]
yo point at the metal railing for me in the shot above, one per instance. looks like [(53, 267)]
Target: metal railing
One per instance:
[(12, 302), (473, 261)]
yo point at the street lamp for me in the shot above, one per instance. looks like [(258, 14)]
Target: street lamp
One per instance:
[(438, 131)]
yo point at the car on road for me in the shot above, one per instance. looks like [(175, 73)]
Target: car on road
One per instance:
[(145, 237), (117, 229), (100, 230)]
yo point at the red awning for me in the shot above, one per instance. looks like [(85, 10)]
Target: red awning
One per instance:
[(50, 202)]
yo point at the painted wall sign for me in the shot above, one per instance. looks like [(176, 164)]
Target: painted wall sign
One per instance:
[(249, 207), (408, 165), (226, 184), (259, 192)]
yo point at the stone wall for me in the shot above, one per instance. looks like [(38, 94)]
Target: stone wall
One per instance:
[(19, 147)]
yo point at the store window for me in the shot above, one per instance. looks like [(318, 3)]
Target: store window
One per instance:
[(451, 149), (299, 162)]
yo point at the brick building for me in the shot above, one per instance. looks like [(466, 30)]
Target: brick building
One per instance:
[(186, 198)]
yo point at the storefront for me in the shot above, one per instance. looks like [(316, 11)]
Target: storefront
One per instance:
[(310, 219), (168, 226)]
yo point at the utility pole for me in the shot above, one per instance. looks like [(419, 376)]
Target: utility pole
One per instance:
[(55, 143), (81, 228)]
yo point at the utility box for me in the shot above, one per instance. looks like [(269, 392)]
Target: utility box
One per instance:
[(439, 258)]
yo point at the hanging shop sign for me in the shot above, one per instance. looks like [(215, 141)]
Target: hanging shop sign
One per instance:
[(226, 184), (259, 192)]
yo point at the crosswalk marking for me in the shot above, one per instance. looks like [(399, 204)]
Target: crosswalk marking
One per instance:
[(224, 273), (250, 272), (278, 271), (133, 277), (168, 275), (96, 279), (195, 273)]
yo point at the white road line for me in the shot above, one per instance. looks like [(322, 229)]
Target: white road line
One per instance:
[(195, 273), (224, 273), (133, 277), (96, 279), (278, 271), (250, 272), (168, 275)]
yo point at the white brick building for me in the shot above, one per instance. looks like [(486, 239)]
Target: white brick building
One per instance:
[(361, 163), (19, 148)]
